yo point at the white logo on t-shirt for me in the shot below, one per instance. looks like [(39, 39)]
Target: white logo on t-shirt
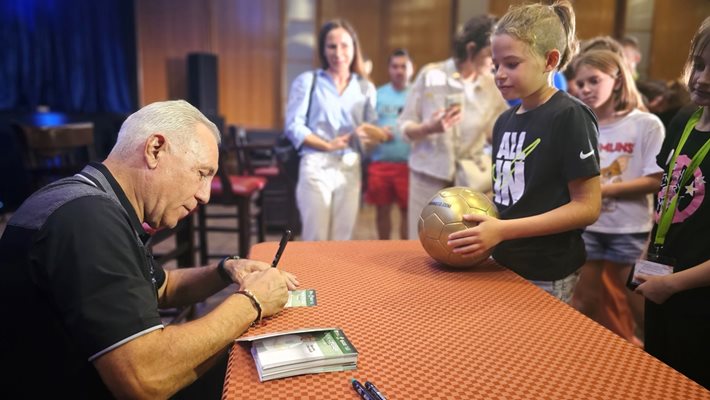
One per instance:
[(583, 155)]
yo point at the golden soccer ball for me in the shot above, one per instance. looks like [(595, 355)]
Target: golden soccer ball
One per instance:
[(443, 215)]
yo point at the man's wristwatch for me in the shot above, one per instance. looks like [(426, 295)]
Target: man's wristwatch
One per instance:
[(222, 272)]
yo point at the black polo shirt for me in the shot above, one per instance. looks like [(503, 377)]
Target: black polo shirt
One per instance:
[(77, 282)]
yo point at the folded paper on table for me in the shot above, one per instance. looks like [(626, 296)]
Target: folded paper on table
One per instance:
[(301, 298)]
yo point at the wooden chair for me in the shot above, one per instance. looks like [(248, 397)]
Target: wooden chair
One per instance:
[(182, 252), (255, 151), (57, 151), (231, 189), (256, 155)]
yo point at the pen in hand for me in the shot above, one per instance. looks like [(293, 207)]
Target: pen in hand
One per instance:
[(282, 245)]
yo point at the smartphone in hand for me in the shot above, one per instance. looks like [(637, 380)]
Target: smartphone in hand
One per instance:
[(454, 100)]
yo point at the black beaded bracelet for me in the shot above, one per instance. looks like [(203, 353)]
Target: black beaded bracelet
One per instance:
[(222, 272), (255, 303)]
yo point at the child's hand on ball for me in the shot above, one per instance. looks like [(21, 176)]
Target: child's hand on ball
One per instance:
[(475, 241), (444, 214)]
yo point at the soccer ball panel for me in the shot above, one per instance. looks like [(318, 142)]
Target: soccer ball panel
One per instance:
[(432, 226)]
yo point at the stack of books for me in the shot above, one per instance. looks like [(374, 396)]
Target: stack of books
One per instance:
[(304, 351)]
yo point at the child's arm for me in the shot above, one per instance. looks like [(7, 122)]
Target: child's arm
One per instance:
[(633, 188), (659, 288), (582, 210)]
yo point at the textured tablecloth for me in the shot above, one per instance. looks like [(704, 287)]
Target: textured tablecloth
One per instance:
[(427, 332)]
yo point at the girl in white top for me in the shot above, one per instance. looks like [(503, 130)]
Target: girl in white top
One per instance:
[(629, 140), (449, 115)]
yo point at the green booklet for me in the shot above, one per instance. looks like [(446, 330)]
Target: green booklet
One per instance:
[(303, 351), (301, 298)]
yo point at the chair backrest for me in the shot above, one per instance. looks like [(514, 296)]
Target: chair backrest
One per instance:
[(255, 147), (182, 250), (52, 152), (224, 166), (238, 141), (181, 253)]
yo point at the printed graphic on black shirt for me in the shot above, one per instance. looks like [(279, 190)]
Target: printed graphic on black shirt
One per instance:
[(509, 173), (691, 194)]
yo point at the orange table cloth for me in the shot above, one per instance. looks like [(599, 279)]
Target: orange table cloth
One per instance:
[(423, 331)]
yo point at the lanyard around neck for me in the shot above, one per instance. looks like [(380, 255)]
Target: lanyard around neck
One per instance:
[(668, 209)]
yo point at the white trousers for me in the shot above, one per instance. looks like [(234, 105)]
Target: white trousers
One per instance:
[(421, 189), (328, 195)]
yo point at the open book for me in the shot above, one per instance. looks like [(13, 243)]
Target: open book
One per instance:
[(303, 351)]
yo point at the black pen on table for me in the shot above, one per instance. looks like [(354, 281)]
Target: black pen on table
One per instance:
[(364, 394), (282, 245), (375, 392)]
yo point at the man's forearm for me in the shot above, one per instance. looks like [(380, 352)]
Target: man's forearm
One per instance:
[(159, 363), (185, 286)]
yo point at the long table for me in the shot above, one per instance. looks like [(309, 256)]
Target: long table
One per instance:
[(428, 332)]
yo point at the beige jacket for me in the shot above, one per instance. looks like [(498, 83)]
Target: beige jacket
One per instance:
[(436, 154)]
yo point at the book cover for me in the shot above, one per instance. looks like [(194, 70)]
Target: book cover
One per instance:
[(301, 298)]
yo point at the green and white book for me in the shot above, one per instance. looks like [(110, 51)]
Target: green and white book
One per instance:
[(301, 298), (303, 351)]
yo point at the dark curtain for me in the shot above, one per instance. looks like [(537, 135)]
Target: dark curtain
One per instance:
[(78, 57), (70, 55)]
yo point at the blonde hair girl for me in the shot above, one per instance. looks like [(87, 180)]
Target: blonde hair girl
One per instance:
[(545, 157), (629, 140)]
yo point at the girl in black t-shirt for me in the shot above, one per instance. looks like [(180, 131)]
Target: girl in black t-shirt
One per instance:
[(545, 156), (677, 320)]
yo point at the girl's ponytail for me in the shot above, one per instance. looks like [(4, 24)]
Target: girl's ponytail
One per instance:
[(565, 13)]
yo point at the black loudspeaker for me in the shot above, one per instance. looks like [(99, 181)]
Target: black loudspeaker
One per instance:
[(202, 82)]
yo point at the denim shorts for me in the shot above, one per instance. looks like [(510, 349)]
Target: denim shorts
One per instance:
[(621, 248), (561, 288)]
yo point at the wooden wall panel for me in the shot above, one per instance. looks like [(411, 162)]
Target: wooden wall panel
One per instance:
[(247, 38), (593, 17), (500, 7), (165, 34), (422, 27), (249, 43), (673, 29)]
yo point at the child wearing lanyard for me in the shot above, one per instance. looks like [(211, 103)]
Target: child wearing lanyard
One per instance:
[(676, 277)]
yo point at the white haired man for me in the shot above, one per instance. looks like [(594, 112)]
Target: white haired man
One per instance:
[(85, 294)]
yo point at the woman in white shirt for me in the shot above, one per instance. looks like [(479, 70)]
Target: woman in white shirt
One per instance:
[(325, 108), (448, 119)]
